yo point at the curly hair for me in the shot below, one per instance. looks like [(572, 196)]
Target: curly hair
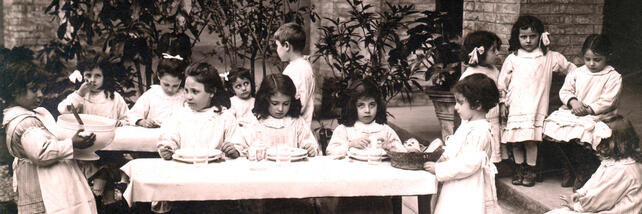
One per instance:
[(111, 71), (524, 23), (17, 76), (476, 39), (207, 75), (623, 143), (272, 84), (357, 90), (237, 73), (479, 90), (598, 44)]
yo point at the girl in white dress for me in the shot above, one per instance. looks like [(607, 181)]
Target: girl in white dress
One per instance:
[(46, 177), (591, 95), (480, 54), (465, 168), (159, 102), (242, 103), (616, 186), (524, 84)]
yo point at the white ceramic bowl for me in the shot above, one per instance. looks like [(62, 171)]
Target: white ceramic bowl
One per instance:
[(103, 128)]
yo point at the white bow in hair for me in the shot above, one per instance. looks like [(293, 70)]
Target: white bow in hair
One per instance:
[(224, 76), (473, 55), (167, 56), (545, 40), (75, 76)]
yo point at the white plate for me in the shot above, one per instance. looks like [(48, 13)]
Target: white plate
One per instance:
[(186, 154), (191, 160), (362, 154), (294, 152), (293, 158)]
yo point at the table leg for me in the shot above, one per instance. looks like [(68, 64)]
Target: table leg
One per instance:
[(423, 203), (396, 204)]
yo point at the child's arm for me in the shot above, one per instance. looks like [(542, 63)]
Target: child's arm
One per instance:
[(232, 142), (567, 92), (305, 139), (503, 83), (73, 98), (468, 161), (562, 65), (140, 110), (170, 138), (338, 144), (610, 94), (611, 188), (40, 146), (122, 109), (393, 139)]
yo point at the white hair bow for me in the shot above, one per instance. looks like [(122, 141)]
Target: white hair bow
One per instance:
[(545, 40), (75, 76), (473, 55), (167, 56), (224, 76)]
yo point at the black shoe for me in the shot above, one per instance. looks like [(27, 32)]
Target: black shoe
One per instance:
[(568, 179), (518, 174), (529, 176)]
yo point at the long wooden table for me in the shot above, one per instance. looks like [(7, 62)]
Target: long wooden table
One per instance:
[(161, 180)]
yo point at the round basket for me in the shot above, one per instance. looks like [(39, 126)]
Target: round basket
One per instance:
[(413, 160)]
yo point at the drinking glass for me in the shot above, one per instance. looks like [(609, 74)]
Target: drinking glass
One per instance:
[(282, 154), (201, 153), (374, 156)]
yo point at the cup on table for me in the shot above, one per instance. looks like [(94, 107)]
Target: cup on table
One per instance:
[(201, 154), (374, 156), (282, 154)]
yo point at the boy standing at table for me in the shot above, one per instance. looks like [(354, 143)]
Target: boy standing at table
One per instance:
[(290, 42)]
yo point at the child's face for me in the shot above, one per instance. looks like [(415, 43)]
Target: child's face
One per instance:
[(279, 105), (31, 98), (242, 88), (366, 109), (282, 51), (195, 95), (94, 79), (491, 55), (463, 107), (594, 62), (170, 84), (528, 39)]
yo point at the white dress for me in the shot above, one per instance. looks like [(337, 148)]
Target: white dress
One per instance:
[(524, 84), (97, 104), (300, 71), (615, 187), (272, 132), (467, 174), (207, 128), (342, 135), (155, 105), (493, 114), (45, 175), (600, 91), (242, 109)]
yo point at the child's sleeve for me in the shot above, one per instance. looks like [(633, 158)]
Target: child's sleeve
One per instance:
[(72, 98), (562, 65), (233, 132), (170, 135), (121, 107), (40, 146), (140, 110), (613, 188), (468, 161), (339, 142), (304, 135), (393, 138), (504, 80), (568, 89), (610, 95)]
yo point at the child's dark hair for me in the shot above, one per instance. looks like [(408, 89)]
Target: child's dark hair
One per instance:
[(623, 143), (272, 84), (172, 67), (293, 34), (598, 44), (111, 70), (237, 73), (357, 90), (476, 39), (207, 75), (523, 23), (479, 91), (16, 77)]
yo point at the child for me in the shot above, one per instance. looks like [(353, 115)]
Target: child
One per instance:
[(159, 102), (465, 168), (278, 119), (202, 120), (242, 102), (616, 186), (480, 54), (45, 177), (290, 41), (524, 84), (591, 94), (363, 116)]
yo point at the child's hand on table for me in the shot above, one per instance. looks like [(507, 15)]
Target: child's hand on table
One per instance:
[(147, 123), (166, 152), (360, 143), (430, 167), (229, 150), (311, 150)]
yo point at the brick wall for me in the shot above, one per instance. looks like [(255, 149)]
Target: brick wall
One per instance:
[(25, 23), (568, 21), (1, 25), (496, 16)]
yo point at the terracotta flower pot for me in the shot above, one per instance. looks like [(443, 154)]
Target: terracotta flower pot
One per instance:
[(444, 103)]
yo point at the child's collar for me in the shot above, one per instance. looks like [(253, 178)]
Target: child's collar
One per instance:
[(613, 162), (533, 54), (372, 127)]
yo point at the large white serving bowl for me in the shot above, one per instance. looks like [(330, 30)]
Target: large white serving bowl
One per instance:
[(103, 128)]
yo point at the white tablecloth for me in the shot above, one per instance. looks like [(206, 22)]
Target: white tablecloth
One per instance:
[(135, 139), (160, 180)]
